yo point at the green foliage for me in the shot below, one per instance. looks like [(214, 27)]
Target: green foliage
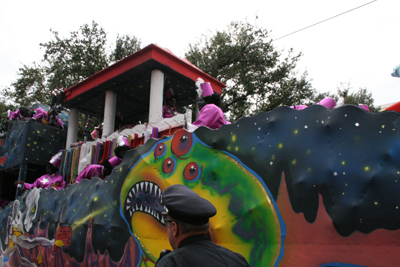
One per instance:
[(125, 46), (362, 96), (30, 87), (70, 60), (66, 61), (257, 79), (4, 106)]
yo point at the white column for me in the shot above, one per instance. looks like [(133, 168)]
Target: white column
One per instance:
[(72, 127), (109, 113), (156, 96)]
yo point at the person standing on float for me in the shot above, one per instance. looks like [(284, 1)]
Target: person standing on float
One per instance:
[(211, 115), (50, 180)]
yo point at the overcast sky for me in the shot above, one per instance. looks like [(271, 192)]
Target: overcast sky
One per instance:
[(361, 47)]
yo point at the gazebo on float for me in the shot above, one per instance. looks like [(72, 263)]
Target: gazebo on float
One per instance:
[(135, 86)]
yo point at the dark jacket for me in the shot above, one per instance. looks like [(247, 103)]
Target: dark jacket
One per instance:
[(200, 251)]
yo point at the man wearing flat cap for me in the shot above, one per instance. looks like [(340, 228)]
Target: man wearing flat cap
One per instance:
[(187, 225)]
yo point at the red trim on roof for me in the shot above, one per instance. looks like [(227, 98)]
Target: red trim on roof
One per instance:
[(152, 51)]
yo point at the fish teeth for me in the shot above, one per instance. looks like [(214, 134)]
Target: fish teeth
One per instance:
[(134, 205), (155, 189)]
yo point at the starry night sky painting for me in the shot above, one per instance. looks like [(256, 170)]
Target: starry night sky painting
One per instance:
[(315, 187), (31, 142), (11, 149)]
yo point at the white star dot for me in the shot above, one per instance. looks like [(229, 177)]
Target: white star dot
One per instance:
[(45, 181)]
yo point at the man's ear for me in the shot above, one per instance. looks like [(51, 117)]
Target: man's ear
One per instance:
[(175, 229)]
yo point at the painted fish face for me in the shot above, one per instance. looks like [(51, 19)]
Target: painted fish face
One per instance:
[(247, 219), (31, 202), (15, 227)]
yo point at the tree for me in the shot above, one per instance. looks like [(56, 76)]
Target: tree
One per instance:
[(27, 89), (70, 60), (30, 87), (257, 79), (4, 106), (125, 46), (362, 96), (66, 61)]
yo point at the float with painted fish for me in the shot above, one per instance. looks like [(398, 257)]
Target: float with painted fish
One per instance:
[(311, 187)]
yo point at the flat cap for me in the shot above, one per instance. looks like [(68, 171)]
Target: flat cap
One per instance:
[(187, 206)]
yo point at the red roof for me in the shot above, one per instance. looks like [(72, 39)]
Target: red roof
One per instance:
[(151, 52)]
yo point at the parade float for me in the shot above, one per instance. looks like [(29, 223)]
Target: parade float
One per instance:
[(312, 187)]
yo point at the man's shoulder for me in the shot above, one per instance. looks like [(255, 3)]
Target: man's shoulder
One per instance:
[(174, 258), (228, 252), (202, 252), (167, 260)]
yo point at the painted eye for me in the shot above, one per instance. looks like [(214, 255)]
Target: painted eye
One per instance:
[(33, 209), (169, 166), (192, 171), (181, 143), (160, 150)]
